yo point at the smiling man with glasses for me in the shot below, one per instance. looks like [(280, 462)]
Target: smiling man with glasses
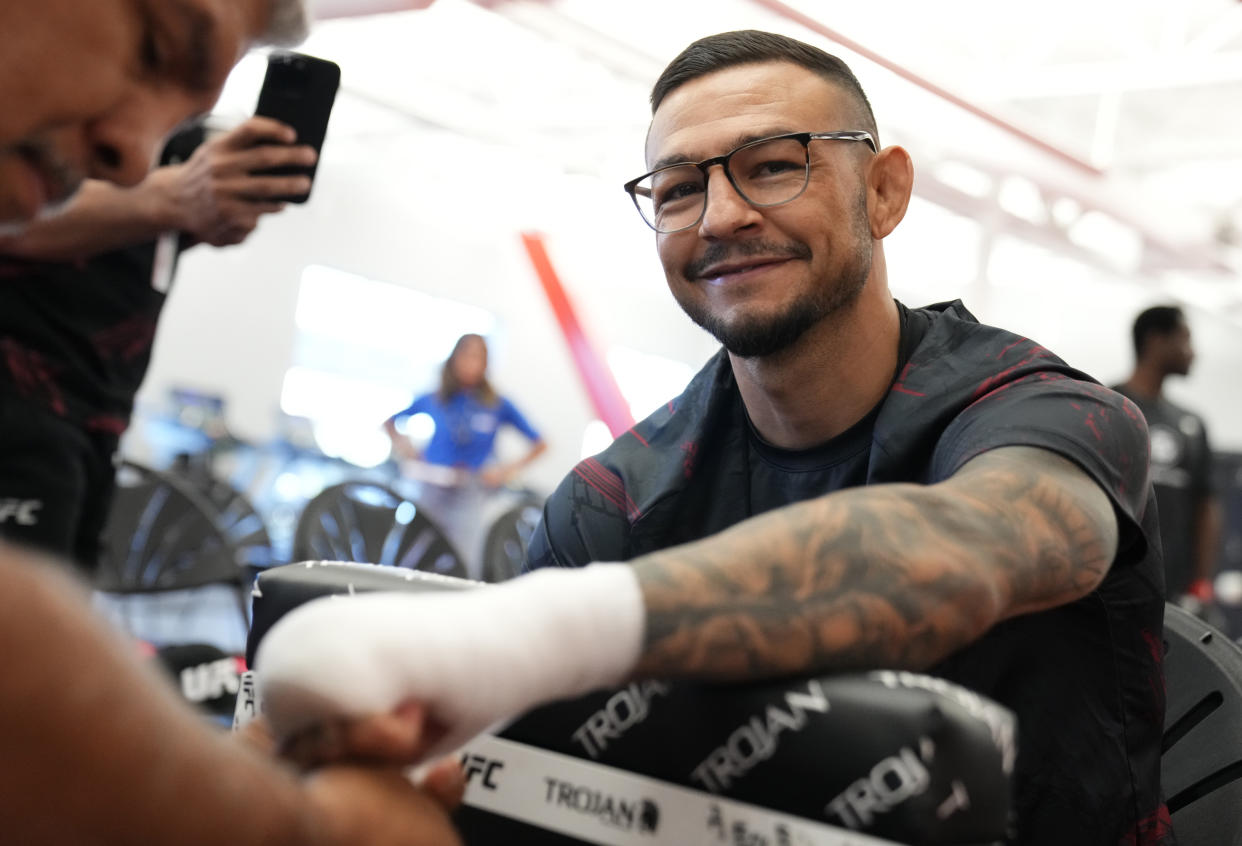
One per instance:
[(849, 484)]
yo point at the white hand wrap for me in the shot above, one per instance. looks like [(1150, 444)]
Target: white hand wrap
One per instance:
[(472, 657)]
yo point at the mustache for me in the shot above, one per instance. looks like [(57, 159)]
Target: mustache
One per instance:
[(63, 179), (720, 252)]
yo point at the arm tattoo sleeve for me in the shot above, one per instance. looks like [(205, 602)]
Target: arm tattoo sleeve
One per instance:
[(888, 576)]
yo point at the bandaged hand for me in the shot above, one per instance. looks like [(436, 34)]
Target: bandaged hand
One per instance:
[(469, 658)]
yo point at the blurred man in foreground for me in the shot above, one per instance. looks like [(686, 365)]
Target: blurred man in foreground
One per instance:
[(97, 749)]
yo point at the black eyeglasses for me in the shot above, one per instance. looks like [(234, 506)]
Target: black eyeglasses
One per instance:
[(767, 172)]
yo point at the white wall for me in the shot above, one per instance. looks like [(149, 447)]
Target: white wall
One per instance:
[(228, 326), (441, 211)]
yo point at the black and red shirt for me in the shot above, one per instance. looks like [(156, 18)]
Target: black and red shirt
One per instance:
[(1085, 679), (75, 338)]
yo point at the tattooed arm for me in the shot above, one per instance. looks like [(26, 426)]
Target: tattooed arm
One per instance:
[(895, 576), (891, 575)]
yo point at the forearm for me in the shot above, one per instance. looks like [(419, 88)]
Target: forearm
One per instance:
[(537, 449), (98, 750), (101, 217), (893, 576)]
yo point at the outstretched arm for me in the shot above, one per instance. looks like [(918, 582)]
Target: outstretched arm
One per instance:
[(892, 575)]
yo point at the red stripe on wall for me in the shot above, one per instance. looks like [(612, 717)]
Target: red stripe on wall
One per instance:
[(601, 386)]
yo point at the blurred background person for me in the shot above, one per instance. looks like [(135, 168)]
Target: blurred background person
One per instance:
[(460, 478), (80, 297), (1181, 458), (468, 413)]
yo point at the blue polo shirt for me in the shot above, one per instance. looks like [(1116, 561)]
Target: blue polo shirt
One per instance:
[(465, 427)]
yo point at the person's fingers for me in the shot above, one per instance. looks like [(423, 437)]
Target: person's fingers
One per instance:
[(257, 734), (257, 130), (232, 226), (267, 156), (377, 806), (232, 237), (314, 746), (267, 207), (258, 188), (399, 738), (446, 782)]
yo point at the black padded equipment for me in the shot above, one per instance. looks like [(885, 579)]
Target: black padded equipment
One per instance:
[(1201, 764), (899, 756), (206, 676)]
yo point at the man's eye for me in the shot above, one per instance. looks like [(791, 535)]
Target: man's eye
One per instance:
[(776, 167), (679, 191)]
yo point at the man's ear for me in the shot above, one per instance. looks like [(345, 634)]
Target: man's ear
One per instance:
[(890, 179)]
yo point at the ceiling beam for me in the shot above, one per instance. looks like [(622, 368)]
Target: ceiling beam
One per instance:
[(1157, 72)]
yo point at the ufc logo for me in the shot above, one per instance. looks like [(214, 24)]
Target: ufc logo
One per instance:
[(483, 767), (20, 511)]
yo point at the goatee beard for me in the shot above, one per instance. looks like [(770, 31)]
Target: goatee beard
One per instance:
[(764, 335)]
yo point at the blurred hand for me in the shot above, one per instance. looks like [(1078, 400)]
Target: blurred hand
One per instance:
[(404, 450), (376, 807), (383, 741), (257, 734), (366, 757), (496, 476), (396, 739), (215, 196), (1202, 590)]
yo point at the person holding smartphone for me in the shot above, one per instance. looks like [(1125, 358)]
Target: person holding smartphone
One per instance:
[(80, 298)]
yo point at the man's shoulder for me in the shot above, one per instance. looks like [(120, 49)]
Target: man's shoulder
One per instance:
[(963, 370), (954, 330), (959, 359), (674, 428), (656, 456)]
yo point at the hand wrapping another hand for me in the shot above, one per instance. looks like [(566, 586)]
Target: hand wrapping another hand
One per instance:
[(336, 672)]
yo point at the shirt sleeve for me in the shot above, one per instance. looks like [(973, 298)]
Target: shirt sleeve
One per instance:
[(1098, 429), (420, 405), (510, 414), (582, 523)]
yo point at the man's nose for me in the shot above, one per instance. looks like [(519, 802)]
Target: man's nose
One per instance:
[(726, 211), (124, 144)]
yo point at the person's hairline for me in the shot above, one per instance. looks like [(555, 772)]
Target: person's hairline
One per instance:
[(1143, 331), (860, 108), (288, 24)]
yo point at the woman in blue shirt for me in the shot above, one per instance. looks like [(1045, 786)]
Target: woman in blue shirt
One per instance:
[(467, 413)]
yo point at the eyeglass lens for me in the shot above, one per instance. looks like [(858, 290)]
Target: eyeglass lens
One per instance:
[(767, 173)]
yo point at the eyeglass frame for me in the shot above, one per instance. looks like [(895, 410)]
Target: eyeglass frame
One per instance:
[(804, 138)]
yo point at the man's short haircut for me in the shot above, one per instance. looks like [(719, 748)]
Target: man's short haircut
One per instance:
[(1157, 320), (288, 25), (749, 46)]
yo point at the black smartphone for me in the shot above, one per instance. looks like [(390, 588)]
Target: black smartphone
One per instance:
[(299, 90)]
